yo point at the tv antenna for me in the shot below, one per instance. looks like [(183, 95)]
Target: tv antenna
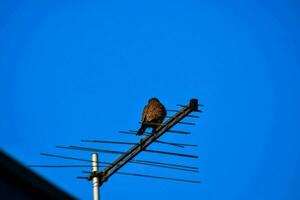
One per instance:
[(99, 177)]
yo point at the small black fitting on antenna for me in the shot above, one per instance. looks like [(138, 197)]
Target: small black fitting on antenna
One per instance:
[(194, 104), (91, 176), (95, 174)]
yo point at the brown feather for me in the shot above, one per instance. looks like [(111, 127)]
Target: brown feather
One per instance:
[(154, 112)]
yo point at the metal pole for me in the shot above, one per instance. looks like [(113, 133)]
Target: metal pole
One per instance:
[(96, 195)]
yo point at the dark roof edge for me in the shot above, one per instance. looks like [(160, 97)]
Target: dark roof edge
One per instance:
[(27, 181)]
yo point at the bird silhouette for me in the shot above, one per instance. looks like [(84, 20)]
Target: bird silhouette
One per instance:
[(154, 114)]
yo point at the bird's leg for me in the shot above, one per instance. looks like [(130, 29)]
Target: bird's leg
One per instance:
[(154, 129), (141, 130), (142, 141)]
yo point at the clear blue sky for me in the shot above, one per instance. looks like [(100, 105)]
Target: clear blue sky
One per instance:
[(72, 70)]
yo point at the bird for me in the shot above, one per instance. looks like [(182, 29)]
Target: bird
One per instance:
[(153, 115)]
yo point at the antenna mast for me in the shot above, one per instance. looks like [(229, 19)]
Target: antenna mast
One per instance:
[(96, 195)]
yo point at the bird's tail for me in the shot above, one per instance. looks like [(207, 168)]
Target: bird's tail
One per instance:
[(141, 130)]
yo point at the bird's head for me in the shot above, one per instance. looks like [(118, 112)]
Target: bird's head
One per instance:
[(153, 99)]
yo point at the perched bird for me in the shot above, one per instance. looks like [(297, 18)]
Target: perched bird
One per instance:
[(154, 114)]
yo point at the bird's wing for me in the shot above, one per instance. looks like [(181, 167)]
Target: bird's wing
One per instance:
[(145, 111), (163, 110), (160, 112), (151, 112)]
